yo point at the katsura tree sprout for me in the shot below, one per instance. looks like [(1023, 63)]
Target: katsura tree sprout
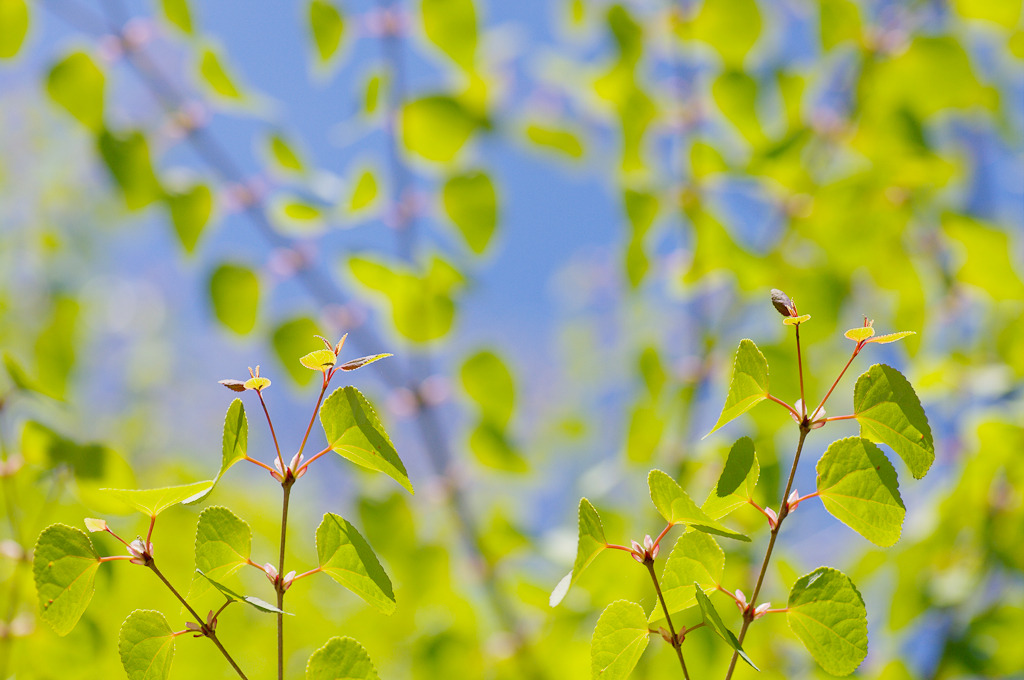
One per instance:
[(65, 561), (856, 483)]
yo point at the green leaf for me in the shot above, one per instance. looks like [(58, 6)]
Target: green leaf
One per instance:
[(283, 154), (620, 637), (749, 384), (19, 377), (985, 258), (731, 27), (472, 204), (234, 445), (146, 645), (735, 93), (492, 447), (127, 158), (341, 658), (327, 26), (591, 543), (451, 26), (364, 193), (216, 75), (696, 558), (64, 565), (677, 508), (646, 427), (223, 546), (490, 384), (354, 432), (889, 411), (190, 212), (293, 339), (346, 557), (858, 485), (713, 620), (736, 484), (256, 602), (13, 26), (54, 347), (152, 502), (178, 14), (557, 139), (76, 84), (827, 613), (318, 360), (840, 22), (436, 127), (1003, 12), (235, 292)]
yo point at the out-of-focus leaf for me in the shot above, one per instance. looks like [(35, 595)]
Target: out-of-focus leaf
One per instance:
[(591, 543), (190, 212), (735, 93), (490, 384), (451, 25), (347, 558), (64, 564), (364, 193), (827, 613), (235, 293), (696, 558), (840, 22), (284, 155), (354, 432), (985, 259), (127, 158), (493, 448), (146, 645), (889, 411), (76, 83), (646, 427), (234, 445), (436, 127), (472, 204), (731, 27), (749, 384), (620, 638), (178, 14), (560, 140), (677, 508), (1003, 12), (293, 339), (217, 76), (341, 658), (54, 347), (736, 484), (706, 160), (13, 26), (328, 27)]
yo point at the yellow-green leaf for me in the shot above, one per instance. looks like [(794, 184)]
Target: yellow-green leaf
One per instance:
[(731, 27), (283, 153), (146, 645), (127, 157), (291, 339), (328, 26), (235, 292), (76, 83), (678, 508), (860, 333), (451, 26), (749, 384), (590, 544), (472, 204), (620, 638), (190, 212), (13, 26), (64, 564), (364, 193), (889, 411), (178, 14), (827, 613), (346, 557), (341, 658), (695, 558), (556, 139), (152, 502), (216, 75), (436, 127), (319, 360), (736, 484)]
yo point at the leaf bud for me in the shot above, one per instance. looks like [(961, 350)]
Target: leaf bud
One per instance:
[(782, 303)]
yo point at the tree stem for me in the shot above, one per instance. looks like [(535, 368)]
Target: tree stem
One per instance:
[(676, 642)]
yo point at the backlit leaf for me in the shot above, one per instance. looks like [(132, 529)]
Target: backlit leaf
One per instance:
[(146, 645), (436, 127), (749, 384), (346, 557), (217, 77), (556, 139), (860, 333), (178, 14), (152, 502), (490, 384), (591, 543), (840, 22), (355, 432), (77, 84), (451, 26), (328, 26), (620, 638), (234, 445), (223, 546), (492, 447), (696, 558), (736, 484), (472, 204), (646, 427), (1003, 12), (13, 26), (127, 157), (341, 658), (353, 364), (190, 212), (827, 613), (64, 565), (283, 154), (858, 485), (364, 193), (889, 411), (319, 360), (235, 292), (731, 27), (677, 508), (712, 618), (292, 339), (891, 337)]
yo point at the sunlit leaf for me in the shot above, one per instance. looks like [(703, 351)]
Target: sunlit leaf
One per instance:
[(451, 26), (731, 27), (355, 432), (889, 411), (696, 558), (796, 320), (341, 658), (283, 153), (472, 204), (556, 139), (858, 486), (152, 502), (292, 339), (319, 360), (127, 157), (645, 430), (620, 638), (217, 76), (234, 445), (712, 618), (677, 508), (55, 346), (346, 557), (223, 546), (353, 364), (860, 333), (190, 212), (735, 93), (736, 484), (891, 337), (840, 22), (328, 26), (76, 83), (177, 13), (436, 127), (64, 565), (749, 384), (364, 193), (983, 257), (13, 26), (1003, 12), (235, 292), (489, 383), (827, 613), (491, 446), (591, 543), (257, 383), (146, 645), (257, 603)]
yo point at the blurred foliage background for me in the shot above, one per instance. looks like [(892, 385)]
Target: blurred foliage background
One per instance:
[(561, 217)]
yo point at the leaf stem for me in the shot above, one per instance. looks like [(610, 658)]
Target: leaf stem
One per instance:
[(786, 405), (307, 463), (273, 434), (211, 634), (856, 351), (260, 463), (676, 642), (320, 399), (307, 573), (286, 485), (800, 372), (664, 531), (831, 418)]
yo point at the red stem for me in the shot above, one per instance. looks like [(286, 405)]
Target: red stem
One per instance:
[(618, 547), (273, 434), (856, 351), (800, 371), (307, 463), (152, 523), (262, 465), (306, 573), (831, 418), (323, 390), (664, 531), (112, 558), (786, 405)]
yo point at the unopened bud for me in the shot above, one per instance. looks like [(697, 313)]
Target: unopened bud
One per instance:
[(271, 572), (288, 578), (648, 543), (762, 609), (773, 518), (667, 636), (782, 303), (95, 524)]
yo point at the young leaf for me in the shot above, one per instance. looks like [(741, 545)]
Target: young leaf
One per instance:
[(889, 411), (451, 25), (217, 77), (858, 485), (13, 26), (472, 204), (64, 566), (713, 620), (347, 558), (235, 292), (490, 384), (749, 383), (620, 637), (341, 658), (146, 644), (591, 543), (827, 613), (154, 501), (256, 602), (128, 159), (354, 432), (436, 127), (223, 546), (736, 484), (319, 360), (76, 84), (234, 445), (677, 507), (860, 333), (353, 364), (327, 26), (891, 337), (178, 13), (696, 558), (190, 210)]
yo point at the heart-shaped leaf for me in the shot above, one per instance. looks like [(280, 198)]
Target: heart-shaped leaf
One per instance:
[(858, 485), (678, 508), (696, 558), (146, 644), (749, 383), (827, 613), (736, 484), (341, 658), (346, 557), (319, 360), (64, 565), (354, 432), (712, 618), (234, 446), (223, 546), (889, 411), (152, 502), (591, 543), (620, 637)]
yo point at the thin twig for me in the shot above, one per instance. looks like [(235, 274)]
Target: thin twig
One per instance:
[(676, 642), (286, 486)]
